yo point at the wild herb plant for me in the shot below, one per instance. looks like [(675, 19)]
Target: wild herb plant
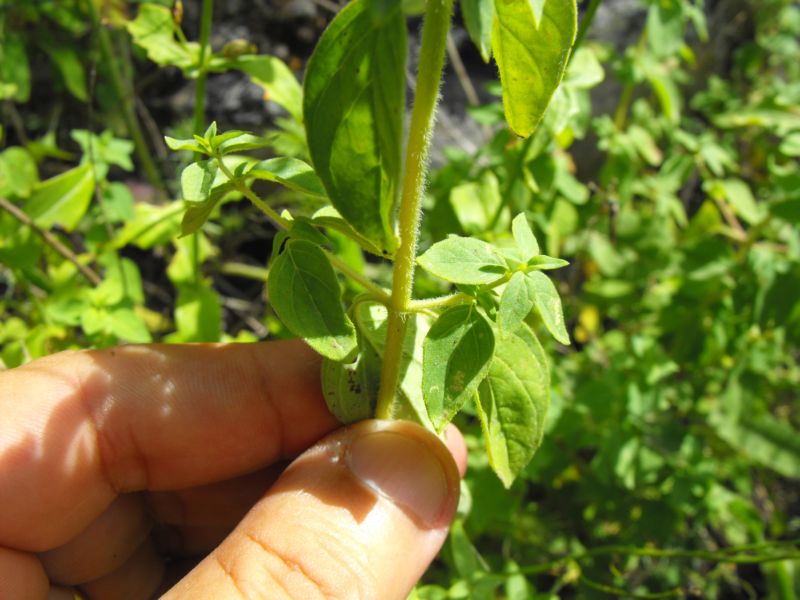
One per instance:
[(671, 465), (390, 354)]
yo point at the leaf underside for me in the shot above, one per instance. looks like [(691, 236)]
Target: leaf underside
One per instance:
[(512, 403), (531, 59), (305, 294), (354, 103)]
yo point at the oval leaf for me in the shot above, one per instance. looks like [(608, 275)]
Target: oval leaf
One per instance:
[(351, 389), (291, 172), (63, 199), (464, 260), (531, 56), (354, 102), (478, 16), (305, 294), (512, 403), (515, 304), (455, 358), (548, 303), (524, 238)]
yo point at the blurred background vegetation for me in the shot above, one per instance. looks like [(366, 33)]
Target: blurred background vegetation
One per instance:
[(665, 171)]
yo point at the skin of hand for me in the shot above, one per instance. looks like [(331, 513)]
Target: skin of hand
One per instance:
[(122, 469)]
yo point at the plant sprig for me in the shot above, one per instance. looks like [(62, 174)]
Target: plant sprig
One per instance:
[(391, 355)]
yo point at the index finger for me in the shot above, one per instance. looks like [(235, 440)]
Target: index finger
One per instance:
[(78, 428)]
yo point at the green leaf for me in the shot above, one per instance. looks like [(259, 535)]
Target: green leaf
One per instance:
[(70, 67), (531, 58), (151, 225), (18, 174), (548, 303), (515, 304), (478, 16), (15, 74), (127, 326), (198, 314), (456, 356), (118, 202), (302, 228), (372, 319), (546, 263), (737, 193), (351, 389), (154, 30), (329, 217), (63, 199), (104, 150), (291, 172), (242, 142), (276, 78), (464, 260), (512, 403), (768, 441), (523, 236), (185, 144), (354, 105), (305, 294), (197, 214), (197, 180), (211, 132)]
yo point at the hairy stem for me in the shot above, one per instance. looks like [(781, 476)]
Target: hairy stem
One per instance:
[(429, 75)]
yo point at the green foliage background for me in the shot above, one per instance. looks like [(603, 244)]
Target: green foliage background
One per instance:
[(671, 455)]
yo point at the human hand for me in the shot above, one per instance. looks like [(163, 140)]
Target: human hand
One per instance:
[(118, 466)]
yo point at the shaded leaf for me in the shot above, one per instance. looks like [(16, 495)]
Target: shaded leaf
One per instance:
[(478, 16), (351, 389), (354, 103), (515, 304), (304, 292), (291, 172), (548, 303), (372, 321), (62, 200), (456, 356), (276, 78), (512, 403)]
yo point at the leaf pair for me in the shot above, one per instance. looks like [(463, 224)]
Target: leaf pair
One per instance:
[(462, 357)]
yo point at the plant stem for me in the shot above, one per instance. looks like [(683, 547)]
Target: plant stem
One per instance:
[(586, 22), (341, 266), (244, 270), (626, 95), (125, 96), (250, 195), (51, 241), (429, 75), (202, 76), (380, 294), (200, 108)]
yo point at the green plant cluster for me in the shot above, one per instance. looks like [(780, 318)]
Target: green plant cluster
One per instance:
[(670, 461)]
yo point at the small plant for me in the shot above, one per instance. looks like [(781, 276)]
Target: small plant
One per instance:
[(391, 354)]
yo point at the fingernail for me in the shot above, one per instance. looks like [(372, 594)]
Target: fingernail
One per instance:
[(408, 465)]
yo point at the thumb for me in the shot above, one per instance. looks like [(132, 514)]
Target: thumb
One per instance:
[(359, 515)]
